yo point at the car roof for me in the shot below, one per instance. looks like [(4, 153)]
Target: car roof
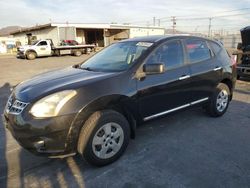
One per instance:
[(158, 38), (152, 38)]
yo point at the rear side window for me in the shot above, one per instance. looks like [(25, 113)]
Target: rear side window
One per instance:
[(170, 53), (197, 50), (215, 47)]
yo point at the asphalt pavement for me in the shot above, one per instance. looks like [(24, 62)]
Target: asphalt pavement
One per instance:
[(184, 149)]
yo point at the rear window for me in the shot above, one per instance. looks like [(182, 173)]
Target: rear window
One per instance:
[(197, 50)]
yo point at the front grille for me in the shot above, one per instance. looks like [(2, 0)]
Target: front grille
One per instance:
[(15, 106)]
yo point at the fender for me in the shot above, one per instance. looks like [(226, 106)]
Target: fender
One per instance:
[(123, 104)]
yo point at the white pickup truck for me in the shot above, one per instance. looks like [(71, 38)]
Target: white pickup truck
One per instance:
[(42, 48)]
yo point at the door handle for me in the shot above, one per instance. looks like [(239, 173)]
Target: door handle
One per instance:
[(217, 68), (184, 77)]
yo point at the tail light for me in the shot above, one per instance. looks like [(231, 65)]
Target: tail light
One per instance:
[(234, 60)]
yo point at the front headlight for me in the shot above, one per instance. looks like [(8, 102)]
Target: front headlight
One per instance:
[(51, 105)]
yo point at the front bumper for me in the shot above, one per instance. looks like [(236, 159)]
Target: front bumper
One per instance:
[(20, 54), (243, 71), (46, 137)]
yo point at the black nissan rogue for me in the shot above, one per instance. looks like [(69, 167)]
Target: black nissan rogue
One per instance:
[(93, 108)]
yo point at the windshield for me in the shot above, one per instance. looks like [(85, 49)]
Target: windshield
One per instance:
[(117, 57)]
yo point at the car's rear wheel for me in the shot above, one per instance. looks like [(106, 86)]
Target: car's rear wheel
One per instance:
[(104, 137), (31, 55), (219, 101)]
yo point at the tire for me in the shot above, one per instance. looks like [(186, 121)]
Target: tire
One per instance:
[(219, 101), (104, 137), (57, 53), (77, 53), (31, 55)]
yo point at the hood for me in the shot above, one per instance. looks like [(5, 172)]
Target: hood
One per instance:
[(24, 47), (58, 80), (245, 36)]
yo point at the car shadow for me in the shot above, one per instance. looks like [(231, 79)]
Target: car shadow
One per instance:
[(17, 166), (4, 93), (244, 79)]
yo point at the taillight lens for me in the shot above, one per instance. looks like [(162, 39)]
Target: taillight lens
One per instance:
[(233, 60)]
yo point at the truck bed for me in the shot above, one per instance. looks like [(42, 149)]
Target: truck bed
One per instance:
[(73, 47)]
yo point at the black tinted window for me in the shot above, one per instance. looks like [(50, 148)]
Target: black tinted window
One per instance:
[(170, 54), (42, 43), (197, 50)]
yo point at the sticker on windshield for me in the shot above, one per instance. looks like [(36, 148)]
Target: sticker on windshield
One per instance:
[(144, 44)]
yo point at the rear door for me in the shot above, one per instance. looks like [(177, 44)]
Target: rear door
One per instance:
[(206, 69), (160, 93), (43, 48)]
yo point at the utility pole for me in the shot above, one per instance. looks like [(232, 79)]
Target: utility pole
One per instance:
[(174, 23), (154, 21), (159, 22), (209, 27)]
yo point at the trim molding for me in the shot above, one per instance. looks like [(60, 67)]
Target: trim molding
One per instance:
[(174, 109)]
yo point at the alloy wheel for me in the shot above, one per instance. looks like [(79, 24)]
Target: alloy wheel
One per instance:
[(222, 100), (108, 140)]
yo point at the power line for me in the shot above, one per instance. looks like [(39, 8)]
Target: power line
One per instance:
[(225, 25), (213, 17), (193, 15), (236, 10), (188, 17)]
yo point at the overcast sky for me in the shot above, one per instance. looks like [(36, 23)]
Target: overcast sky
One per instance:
[(31, 12)]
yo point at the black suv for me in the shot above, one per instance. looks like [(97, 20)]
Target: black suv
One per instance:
[(93, 108)]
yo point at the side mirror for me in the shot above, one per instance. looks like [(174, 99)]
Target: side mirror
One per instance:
[(158, 68)]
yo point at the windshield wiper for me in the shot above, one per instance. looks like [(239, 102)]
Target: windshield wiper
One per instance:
[(86, 68), (78, 66)]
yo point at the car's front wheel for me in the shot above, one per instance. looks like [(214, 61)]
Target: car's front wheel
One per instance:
[(104, 137), (31, 55), (219, 101)]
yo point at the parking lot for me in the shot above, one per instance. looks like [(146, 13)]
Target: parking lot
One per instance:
[(184, 149)]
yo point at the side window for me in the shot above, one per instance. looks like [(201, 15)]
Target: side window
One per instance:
[(42, 43), (197, 50), (169, 53), (215, 47)]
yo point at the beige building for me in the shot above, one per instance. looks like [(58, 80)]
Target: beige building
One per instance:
[(7, 44), (99, 34)]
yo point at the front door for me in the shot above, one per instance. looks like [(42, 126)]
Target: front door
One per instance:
[(43, 48), (160, 93)]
